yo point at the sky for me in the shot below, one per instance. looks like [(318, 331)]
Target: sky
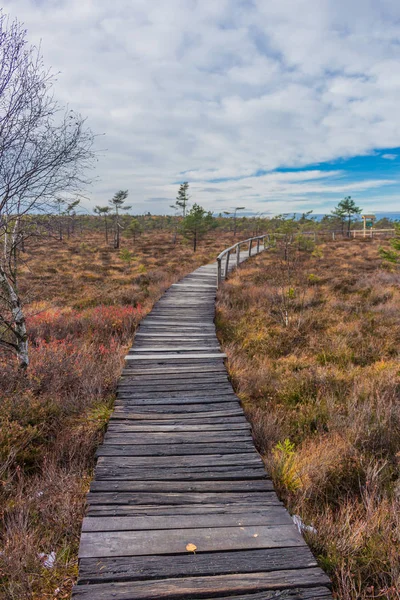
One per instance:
[(275, 105)]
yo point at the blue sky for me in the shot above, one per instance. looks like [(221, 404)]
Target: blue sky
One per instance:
[(278, 105)]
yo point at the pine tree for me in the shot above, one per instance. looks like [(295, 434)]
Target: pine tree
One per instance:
[(182, 199), (196, 223), (117, 202), (347, 208)]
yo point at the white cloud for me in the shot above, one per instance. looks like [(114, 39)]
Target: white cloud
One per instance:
[(389, 156), (204, 90)]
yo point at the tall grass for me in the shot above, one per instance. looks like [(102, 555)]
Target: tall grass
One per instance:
[(321, 388), (83, 305)]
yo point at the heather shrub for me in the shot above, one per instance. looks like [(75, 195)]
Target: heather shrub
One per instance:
[(313, 351), (83, 304)]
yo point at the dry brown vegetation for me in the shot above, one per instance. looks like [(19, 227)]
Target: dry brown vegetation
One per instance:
[(313, 345), (84, 301)]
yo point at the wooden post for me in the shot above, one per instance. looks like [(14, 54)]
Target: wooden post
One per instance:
[(250, 245), (219, 274), (333, 235), (258, 245), (238, 255), (227, 263)]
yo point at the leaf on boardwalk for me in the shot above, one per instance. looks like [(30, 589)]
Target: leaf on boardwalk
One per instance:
[(191, 548)]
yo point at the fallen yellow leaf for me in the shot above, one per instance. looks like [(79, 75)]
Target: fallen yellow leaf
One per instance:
[(191, 548)]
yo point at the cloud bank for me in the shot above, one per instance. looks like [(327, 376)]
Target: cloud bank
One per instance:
[(230, 95)]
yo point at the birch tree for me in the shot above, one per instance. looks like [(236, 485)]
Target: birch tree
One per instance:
[(44, 152)]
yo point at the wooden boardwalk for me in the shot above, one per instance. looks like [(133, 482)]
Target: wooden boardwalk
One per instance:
[(181, 507)]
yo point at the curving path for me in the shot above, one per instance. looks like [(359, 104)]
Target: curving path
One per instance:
[(181, 507)]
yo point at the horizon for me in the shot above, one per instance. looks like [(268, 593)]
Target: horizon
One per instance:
[(276, 107)]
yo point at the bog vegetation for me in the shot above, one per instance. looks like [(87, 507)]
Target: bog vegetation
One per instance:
[(82, 302), (312, 333)]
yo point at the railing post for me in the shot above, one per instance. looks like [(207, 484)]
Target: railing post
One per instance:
[(227, 263), (250, 245), (219, 274), (238, 255), (258, 245)]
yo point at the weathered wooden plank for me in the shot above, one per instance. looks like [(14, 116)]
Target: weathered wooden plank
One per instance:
[(175, 386), (181, 498), (139, 543), (140, 378), (192, 460), (215, 563), (199, 587), (174, 355), (197, 428), (172, 449), (184, 410), (187, 473), (136, 510), (176, 336), (258, 485), (177, 437), (275, 515), (172, 416), (209, 391), (313, 593), (130, 400), (147, 369), (153, 349)]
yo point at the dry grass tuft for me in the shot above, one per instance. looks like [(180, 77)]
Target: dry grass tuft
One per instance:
[(314, 353)]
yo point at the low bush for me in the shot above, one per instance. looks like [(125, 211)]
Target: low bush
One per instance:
[(318, 371)]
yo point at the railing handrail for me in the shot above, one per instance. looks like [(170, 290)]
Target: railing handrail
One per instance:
[(227, 252), (256, 237)]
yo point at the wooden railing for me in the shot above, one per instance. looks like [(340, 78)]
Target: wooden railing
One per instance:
[(222, 269), (235, 249)]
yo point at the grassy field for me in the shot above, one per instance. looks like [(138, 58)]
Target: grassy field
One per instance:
[(83, 301), (313, 340)]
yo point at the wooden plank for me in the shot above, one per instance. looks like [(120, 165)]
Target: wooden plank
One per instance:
[(129, 510), (258, 485), (204, 563), (140, 377), (313, 593), (129, 400), (210, 394), (182, 498), (176, 386), (172, 356), (176, 438), (174, 348), (198, 427), (183, 410), (188, 473), (177, 336), (167, 416), (138, 510), (139, 543), (171, 462), (198, 368), (275, 515), (172, 449), (199, 587)]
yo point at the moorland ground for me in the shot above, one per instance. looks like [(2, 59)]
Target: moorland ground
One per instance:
[(312, 335), (83, 301), (313, 353)]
